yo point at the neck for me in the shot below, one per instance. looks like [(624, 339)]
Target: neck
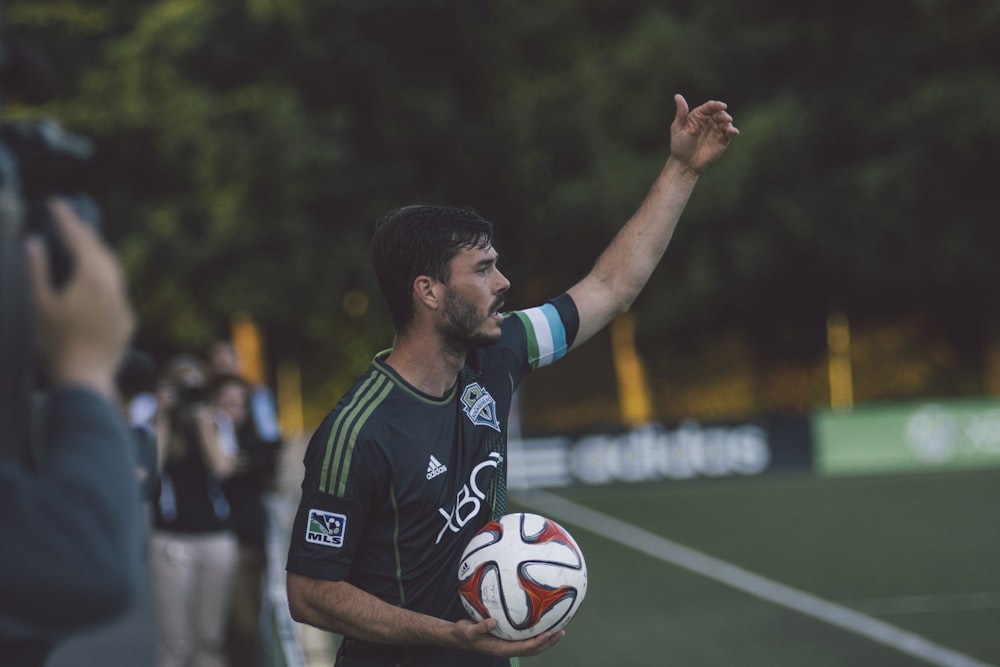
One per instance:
[(426, 365)]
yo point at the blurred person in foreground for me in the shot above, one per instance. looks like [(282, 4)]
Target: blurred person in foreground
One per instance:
[(128, 639), (70, 538), (412, 460)]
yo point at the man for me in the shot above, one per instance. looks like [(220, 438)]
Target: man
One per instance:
[(412, 461), (70, 551)]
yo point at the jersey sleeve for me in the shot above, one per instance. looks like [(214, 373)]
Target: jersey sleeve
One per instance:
[(332, 515)]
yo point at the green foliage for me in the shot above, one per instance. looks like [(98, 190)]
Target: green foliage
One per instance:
[(247, 146)]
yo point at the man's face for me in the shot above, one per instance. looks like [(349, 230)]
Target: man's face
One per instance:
[(474, 297)]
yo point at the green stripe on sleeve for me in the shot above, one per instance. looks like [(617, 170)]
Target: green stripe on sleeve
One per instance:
[(344, 431), (379, 393), (334, 452)]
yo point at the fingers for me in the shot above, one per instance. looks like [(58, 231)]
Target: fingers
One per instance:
[(75, 232), (79, 239), (711, 112), (723, 119), (478, 634), (724, 123), (38, 267), (97, 264), (542, 643), (726, 127), (715, 113), (485, 626), (84, 327)]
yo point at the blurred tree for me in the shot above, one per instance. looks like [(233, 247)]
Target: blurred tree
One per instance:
[(860, 181), (247, 146), (246, 149)]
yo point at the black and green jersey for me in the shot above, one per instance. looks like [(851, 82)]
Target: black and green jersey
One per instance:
[(397, 481)]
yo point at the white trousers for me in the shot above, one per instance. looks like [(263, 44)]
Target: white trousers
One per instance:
[(192, 577)]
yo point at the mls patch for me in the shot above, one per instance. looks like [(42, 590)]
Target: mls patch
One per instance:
[(480, 406), (326, 528)]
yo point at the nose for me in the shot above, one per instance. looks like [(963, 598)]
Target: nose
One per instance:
[(501, 283)]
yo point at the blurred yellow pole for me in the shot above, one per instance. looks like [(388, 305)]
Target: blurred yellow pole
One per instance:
[(838, 340), (634, 397), (291, 414), (247, 341)]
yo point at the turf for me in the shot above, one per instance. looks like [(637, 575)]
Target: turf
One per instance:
[(857, 541)]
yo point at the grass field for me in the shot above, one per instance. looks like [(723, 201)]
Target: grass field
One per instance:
[(892, 571)]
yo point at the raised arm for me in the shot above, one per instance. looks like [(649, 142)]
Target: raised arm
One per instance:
[(697, 138)]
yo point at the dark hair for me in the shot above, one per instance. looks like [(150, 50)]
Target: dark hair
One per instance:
[(136, 373), (220, 382), (421, 240)]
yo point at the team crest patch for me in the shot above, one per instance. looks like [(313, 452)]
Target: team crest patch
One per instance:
[(326, 528), (480, 406)]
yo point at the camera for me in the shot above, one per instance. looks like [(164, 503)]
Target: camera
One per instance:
[(39, 161), (189, 394)]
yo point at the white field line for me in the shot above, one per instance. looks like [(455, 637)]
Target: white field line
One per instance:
[(927, 604), (838, 615)]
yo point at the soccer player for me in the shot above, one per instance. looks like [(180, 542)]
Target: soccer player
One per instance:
[(412, 460)]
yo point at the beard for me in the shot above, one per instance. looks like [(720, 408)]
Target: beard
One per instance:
[(462, 329)]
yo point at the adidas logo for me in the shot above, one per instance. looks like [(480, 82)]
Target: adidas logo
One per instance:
[(435, 468)]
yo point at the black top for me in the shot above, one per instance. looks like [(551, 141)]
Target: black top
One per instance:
[(190, 498), (245, 490)]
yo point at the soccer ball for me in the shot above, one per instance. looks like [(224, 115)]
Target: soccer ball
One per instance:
[(525, 571)]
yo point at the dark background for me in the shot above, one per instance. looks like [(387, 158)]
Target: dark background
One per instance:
[(246, 148)]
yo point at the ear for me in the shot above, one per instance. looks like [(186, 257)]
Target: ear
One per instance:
[(428, 292)]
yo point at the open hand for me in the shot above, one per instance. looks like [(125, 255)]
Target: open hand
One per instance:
[(699, 136)]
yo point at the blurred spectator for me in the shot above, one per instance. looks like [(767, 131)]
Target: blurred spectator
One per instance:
[(137, 376), (258, 445), (70, 552), (245, 490), (136, 384), (141, 408), (224, 360), (193, 551)]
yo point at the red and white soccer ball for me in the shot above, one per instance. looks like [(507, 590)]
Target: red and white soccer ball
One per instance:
[(525, 571)]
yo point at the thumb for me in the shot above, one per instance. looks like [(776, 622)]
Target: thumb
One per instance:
[(682, 109)]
